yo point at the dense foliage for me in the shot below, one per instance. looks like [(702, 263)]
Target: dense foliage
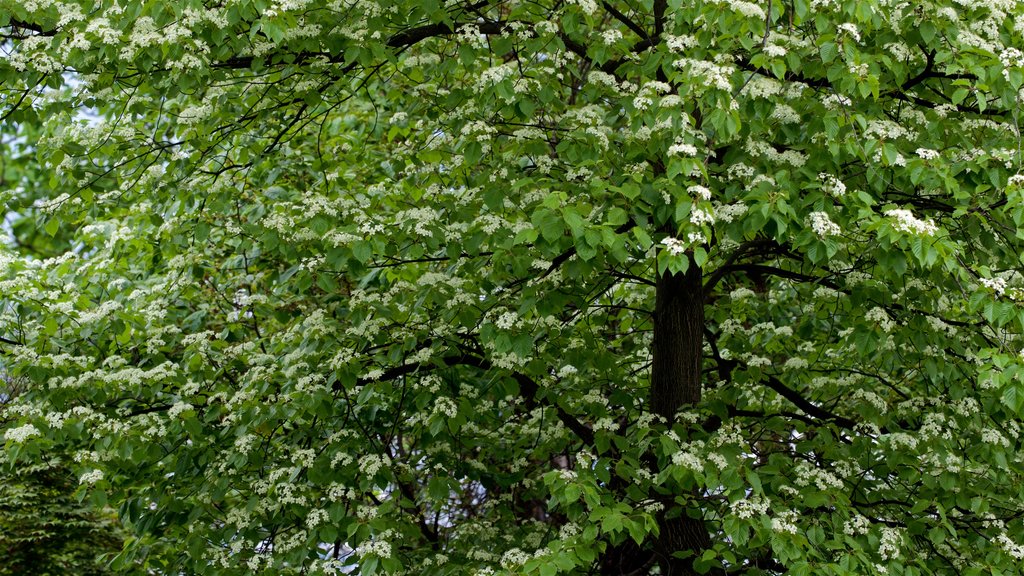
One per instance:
[(509, 287), (45, 529)]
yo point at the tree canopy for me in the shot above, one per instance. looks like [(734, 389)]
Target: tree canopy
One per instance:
[(522, 287), (44, 529)]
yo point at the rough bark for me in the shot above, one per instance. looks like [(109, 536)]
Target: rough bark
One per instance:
[(678, 339), (675, 383)]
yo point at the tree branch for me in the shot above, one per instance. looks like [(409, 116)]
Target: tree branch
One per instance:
[(527, 386), (805, 405)]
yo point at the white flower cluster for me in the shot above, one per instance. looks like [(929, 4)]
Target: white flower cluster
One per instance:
[(997, 285), (679, 44), (706, 74), (22, 433), (887, 130), (701, 192), (889, 547), (785, 114), (91, 477), (927, 153), (611, 36), (747, 9), (699, 216), (795, 364), (566, 371), (836, 101), (880, 316), (904, 221), (380, 548), (856, 526), (785, 522), (688, 460), (681, 148), (1010, 547), (372, 463), (747, 509), (822, 479), (831, 185), (513, 557), (994, 437), (1011, 58), (822, 225), (674, 246), (850, 30), (446, 407), (729, 212)]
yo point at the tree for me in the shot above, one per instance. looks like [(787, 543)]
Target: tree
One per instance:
[(44, 529), (618, 287)]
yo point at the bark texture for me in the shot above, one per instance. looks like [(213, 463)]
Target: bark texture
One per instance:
[(678, 340), (675, 383)]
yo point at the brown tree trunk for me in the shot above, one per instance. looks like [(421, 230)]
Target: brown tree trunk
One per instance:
[(678, 340), (675, 383)]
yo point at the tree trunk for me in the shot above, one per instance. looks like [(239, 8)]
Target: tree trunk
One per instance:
[(675, 383), (678, 340)]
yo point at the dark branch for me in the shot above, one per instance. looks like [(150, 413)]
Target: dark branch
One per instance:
[(805, 405)]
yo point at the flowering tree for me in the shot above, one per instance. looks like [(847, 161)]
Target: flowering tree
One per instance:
[(44, 529), (501, 287)]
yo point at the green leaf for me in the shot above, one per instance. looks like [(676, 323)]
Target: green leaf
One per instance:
[(1013, 397)]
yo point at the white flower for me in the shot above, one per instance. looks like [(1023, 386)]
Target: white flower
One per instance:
[(688, 460), (701, 192), (997, 285), (91, 477), (1010, 547), (880, 316), (20, 434), (850, 30), (674, 246), (856, 526), (682, 149), (699, 217), (904, 221), (747, 509), (889, 547), (927, 153), (822, 225), (832, 185), (566, 371), (795, 364), (446, 407), (178, 409), (679, 44), (785, 522), (376, 548), (611, 36)]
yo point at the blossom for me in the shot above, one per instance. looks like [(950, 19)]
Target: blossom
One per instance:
[(831, 185), (91, 477), (747, 509), (22, 433), (682, 149), (904, 221), (674, 246), (611, 36), (997, 285), (849, 29), (822, 225)]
